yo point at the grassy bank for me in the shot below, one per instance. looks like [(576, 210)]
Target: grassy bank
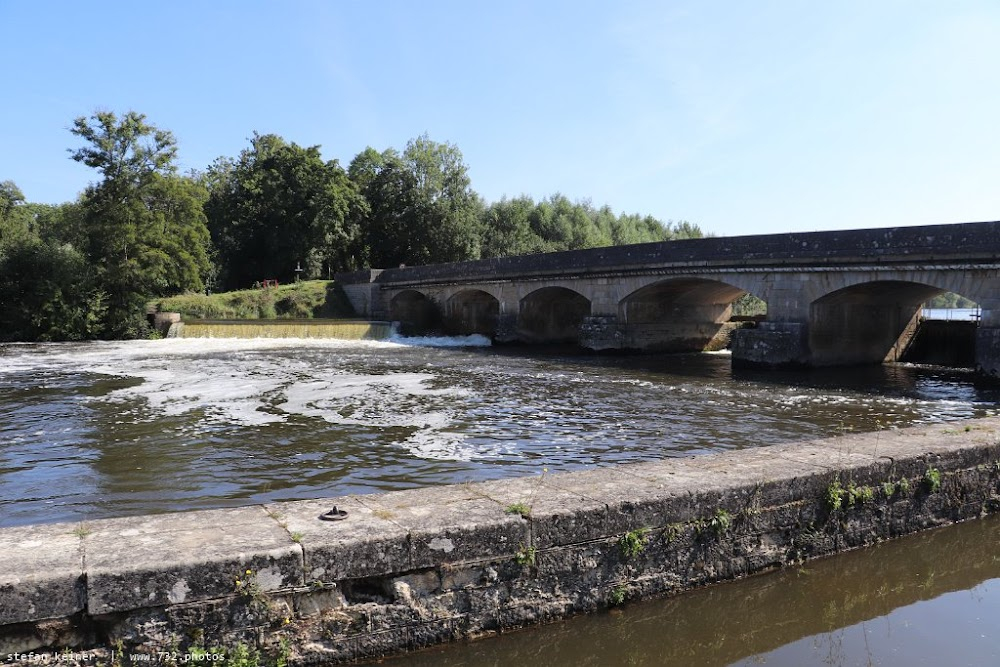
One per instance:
[(306, 299)]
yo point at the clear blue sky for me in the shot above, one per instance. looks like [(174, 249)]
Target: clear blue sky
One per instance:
[(742, 117)]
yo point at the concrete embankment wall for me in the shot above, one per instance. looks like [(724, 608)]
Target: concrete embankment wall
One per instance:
[(409, 569)]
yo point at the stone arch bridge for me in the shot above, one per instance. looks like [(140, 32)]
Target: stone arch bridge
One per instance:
[(833, 298)]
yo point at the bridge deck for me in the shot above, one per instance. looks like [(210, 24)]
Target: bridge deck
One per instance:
[(964, 243)]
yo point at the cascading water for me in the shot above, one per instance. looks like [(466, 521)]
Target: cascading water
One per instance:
[(339, 329)]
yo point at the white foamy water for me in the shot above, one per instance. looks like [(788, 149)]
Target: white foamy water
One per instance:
[(242, 382), (472, 340), (98, 429)]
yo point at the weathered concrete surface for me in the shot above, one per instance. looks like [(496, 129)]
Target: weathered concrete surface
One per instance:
[(163, 322), (41, 573), (408, 569), (156, 560), (771, 344)]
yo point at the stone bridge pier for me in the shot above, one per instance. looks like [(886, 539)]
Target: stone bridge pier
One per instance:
[(988, 337)]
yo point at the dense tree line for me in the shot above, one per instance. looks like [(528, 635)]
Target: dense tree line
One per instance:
[(951, 300), (278, 210)]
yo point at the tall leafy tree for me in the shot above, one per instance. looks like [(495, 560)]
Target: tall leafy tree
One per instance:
[(48, 287), (141, 222), (521, 226), (173, 255), (507, 228), (422, 208), (278, 207), (60, 223), (49, 292), (15, 220)]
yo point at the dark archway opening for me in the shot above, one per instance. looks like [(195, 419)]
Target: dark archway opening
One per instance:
[(882, 321), (552, 315), (947, 332), (417, 315), (472, 312), (682, 315)]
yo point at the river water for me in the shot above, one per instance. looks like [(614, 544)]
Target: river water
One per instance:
[(101, 429)]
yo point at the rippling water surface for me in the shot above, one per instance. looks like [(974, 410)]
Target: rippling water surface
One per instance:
[(106, 429)]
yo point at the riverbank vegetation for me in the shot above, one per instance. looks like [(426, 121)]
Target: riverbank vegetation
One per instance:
[(951, 300), (302, 300), (277, 211)]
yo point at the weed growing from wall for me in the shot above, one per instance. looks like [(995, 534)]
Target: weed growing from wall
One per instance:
[(633, 542), (932, 480), (526, 556), (834, 496), (519, 508), (720, 521), (857, 495)]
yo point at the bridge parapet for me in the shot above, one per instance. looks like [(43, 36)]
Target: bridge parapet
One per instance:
[(963, 243)]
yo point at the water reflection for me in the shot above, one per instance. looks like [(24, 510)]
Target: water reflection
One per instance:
[(927, 599)]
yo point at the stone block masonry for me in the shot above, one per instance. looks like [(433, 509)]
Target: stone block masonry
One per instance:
[(410, 569), (838, 298)]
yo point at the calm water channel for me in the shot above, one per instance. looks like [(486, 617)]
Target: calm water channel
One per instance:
[(94, 430), (929, 599)]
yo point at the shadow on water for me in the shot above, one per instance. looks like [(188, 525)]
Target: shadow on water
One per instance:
[(929, 599), (913, 381)]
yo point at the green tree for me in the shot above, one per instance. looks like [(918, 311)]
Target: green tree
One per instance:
[(279, 206), (49, 292), (48, 288), (950, 300), (60, 224), (15, 219), (520, 226), (507, 229), (563, 225), (422, 209), (144, 227), (173, 256)]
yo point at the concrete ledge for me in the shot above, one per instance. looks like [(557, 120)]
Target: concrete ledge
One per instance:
[(365, 545), (412, 568), (41, 573), (156, 560)]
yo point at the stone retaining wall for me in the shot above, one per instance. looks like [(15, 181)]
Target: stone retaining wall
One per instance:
[(410, 569)]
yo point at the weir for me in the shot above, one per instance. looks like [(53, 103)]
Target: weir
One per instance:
[(402, 570), (340, 329)]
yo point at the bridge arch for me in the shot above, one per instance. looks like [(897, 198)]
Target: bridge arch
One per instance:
[(866, 322), (678, 314), (552, 315), (416, 313), (472, 311)]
